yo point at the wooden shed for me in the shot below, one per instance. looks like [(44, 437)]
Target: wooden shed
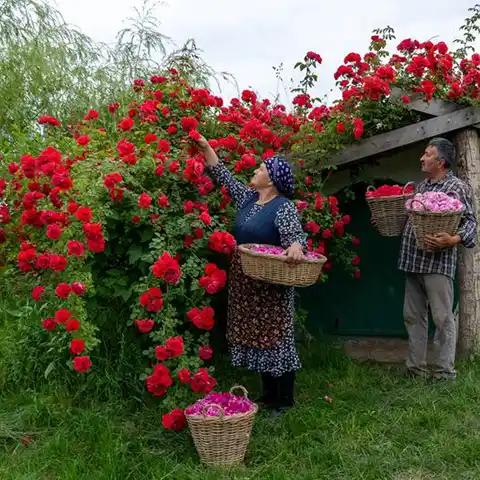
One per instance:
[(372, 306)]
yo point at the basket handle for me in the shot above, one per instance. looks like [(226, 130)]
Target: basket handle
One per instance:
[(221, 411), (370, 188), (239, 387), (406, 185), (420, 202)]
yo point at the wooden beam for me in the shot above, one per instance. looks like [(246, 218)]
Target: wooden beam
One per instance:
[(402, 137), (435, 107), (468, 168)]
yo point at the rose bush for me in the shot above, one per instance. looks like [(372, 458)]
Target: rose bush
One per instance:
[(119, 205)]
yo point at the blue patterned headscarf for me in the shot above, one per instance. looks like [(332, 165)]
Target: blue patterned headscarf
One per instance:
[(281, 175)]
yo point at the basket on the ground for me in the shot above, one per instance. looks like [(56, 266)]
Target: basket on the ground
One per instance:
[(275, 268), (389, 213), (426, 223), (222, 440)]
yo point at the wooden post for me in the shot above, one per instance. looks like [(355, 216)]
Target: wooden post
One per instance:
[(468, 161)]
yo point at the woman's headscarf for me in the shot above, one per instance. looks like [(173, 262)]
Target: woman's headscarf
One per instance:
[(281, 175)]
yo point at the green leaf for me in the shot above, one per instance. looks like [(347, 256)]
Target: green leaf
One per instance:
[(135, 252), (146, 235)]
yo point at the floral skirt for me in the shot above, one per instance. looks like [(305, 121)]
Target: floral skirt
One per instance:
[(260, 327)]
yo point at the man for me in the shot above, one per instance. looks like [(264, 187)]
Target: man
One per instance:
[(430, 275)]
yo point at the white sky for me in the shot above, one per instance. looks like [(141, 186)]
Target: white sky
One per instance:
[(248, 37)]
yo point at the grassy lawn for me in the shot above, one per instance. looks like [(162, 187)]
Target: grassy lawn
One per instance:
[(379, 425)]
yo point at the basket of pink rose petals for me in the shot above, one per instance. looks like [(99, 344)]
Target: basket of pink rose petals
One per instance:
[(221, 425), (269, 264), (432, 213)]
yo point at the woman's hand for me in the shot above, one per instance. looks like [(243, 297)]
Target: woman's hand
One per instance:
[(207, 150), (294, 253)]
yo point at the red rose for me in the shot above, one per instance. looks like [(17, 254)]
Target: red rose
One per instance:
[(159, 380), (174, 346), (163, 201), (111, 180), (188, 123), (167, 268), (83, 140), (184, 375), (152, 299), (356, 260), (205, 353), (124, 148), (161, 353), (164, 146), (62, 316), (188, 207), (49, 324), (83, 214), (77, 346), (327, 233), (126, 124), (355, 241), (150, 138), (144, 201), (72, 325), (63, 290), (312, 227), (37, 293), (72, 207), (57, 263), (82, 364), (91, 115), (356, 274), (175, 420), (221, 242), (214, 280), (54, 232), (340, 128), (13, 168), (205, 218), (201, 382), (202, 319), (145, 326), (78, 288)]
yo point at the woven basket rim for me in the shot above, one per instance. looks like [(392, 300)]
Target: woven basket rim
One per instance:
[(389, 197), (244, 248), (434, 214), (224, 419)]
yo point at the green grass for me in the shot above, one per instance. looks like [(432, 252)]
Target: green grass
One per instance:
[(380, 425)]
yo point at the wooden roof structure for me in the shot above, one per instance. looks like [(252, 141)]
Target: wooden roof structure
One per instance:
[(445, 116)]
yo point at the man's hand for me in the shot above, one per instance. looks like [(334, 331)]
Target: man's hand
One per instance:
[(294, 253), (442, 240)]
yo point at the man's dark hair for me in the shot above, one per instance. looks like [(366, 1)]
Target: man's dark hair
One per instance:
[(445, 150)]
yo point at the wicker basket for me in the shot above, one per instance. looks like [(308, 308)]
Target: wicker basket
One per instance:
[(275, 269), (429, 223), (221, 440), (389, 213)]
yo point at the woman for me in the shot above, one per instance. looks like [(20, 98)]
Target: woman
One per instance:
[(260, 328)]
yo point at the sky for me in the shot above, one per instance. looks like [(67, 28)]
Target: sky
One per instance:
[(248, 37)]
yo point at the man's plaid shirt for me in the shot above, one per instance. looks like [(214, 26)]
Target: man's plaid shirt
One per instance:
[(442, 261)]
